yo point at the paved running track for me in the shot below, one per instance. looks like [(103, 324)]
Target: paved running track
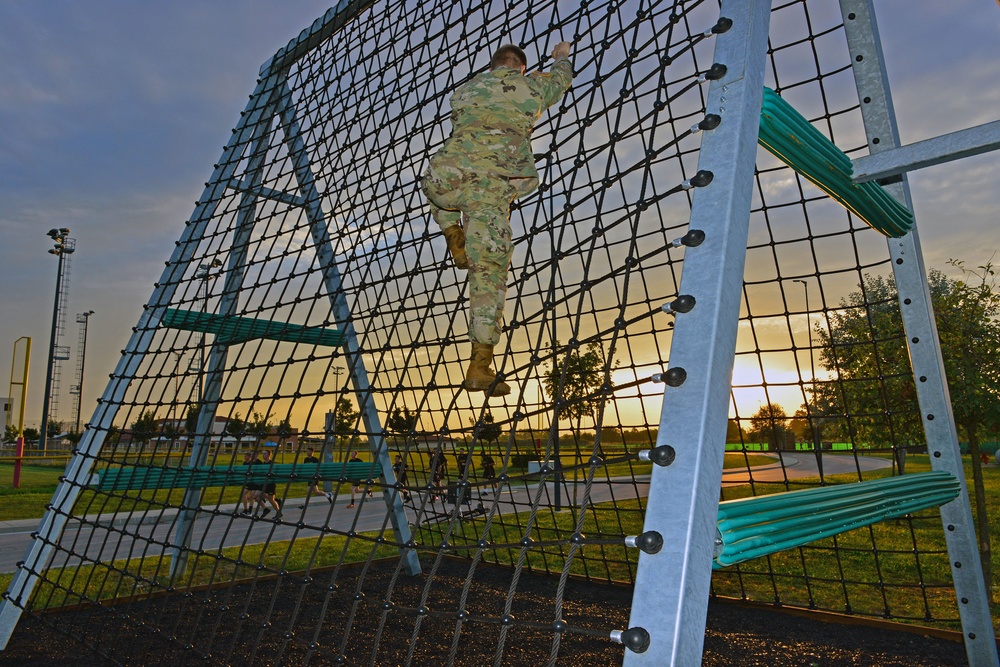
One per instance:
[(149, 535)]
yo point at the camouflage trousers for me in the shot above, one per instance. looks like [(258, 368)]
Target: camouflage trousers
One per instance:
[(485, 200)]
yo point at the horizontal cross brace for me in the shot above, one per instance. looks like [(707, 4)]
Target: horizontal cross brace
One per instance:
[(266, 193), (230, 329), (927, 153)]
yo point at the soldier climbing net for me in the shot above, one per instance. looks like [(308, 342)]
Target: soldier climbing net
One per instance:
[(310, 303)]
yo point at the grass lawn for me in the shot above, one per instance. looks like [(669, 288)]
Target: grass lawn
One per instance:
[(38, 483), (67, 586), (843, 574)]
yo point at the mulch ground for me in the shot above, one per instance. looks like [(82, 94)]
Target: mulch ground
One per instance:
[(277, 622)]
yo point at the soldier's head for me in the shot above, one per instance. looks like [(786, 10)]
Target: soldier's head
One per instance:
[(510, 56)]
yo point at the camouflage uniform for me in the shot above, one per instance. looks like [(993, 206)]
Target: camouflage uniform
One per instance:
[(483, 166)]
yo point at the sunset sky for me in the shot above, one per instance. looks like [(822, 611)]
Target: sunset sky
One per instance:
[(114, 111)]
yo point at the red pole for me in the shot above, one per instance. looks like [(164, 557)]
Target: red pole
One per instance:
[(18, 453)]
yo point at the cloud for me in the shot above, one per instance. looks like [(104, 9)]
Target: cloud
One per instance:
[(115, 111)]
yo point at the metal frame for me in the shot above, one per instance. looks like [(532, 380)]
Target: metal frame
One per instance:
[(922, 341), (672, 587)]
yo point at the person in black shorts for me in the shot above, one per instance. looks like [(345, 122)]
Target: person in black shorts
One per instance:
[(250, 490), (267, 494), (399, 470), (313, 483), (356, 486), (489, 471)]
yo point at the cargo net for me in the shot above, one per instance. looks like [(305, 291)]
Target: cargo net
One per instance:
[(246, 348)]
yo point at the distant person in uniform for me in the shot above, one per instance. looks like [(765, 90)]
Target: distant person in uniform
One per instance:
[(269, 491), (399, 471), (250, 490), (490, 471), (470, 183), (356, 483), (313, 483)]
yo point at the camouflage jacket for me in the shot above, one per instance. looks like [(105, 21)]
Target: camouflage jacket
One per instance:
[(494, 114)]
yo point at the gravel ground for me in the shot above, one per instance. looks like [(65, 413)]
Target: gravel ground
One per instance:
[(274, 623)]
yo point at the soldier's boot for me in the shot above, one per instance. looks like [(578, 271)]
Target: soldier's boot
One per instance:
[(479, 376), (455, 236)]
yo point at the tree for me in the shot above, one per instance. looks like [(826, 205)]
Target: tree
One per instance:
[(144, 427), (867, 350), (574, 378), (734, 432), (770, 425), (170, 430), (30, 434), (55, 428), (574, 382), (10, 434), (809, 424), (402, 422), (345, 419), (191, 418), (969, 328), (259, 426)]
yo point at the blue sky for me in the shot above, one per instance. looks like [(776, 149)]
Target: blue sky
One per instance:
[(114, 111)]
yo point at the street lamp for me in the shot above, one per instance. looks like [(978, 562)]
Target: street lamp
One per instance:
[(63, 246), (204, 274), (84, 319), (337, 371), (178, 356), (812, 366), (813, 430)]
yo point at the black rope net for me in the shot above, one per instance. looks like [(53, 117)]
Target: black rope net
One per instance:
[(548, 480)]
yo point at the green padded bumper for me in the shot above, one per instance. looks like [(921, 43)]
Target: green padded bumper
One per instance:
[(794, 141), (161, 477), (754, 527), (231, 329)]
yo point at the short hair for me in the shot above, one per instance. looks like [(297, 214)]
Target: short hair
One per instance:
[(510, 56)]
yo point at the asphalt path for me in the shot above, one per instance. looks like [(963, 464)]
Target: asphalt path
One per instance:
[(149, 535)]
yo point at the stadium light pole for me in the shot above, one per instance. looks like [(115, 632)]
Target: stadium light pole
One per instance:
[(60, 250), (83, 361)]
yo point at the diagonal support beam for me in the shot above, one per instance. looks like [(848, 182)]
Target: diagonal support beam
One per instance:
[(672, 587), (319, 230), (265, 192)]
